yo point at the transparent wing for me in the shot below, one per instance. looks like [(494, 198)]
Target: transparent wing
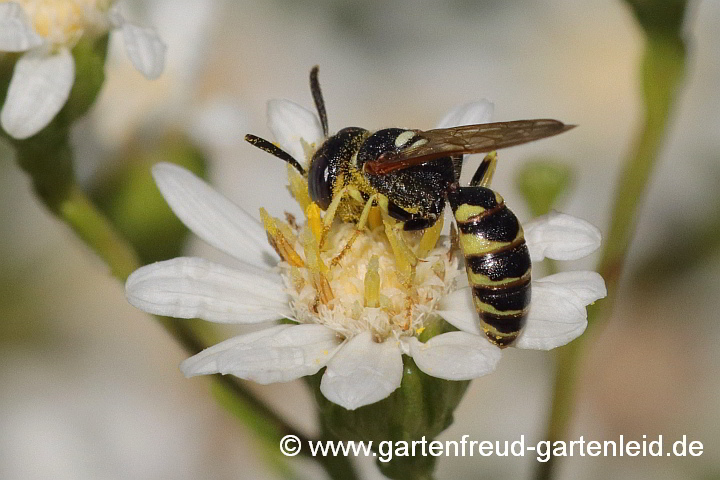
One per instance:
[(445, 142)]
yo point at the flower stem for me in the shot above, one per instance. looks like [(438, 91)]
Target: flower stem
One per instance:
[(49, 164), (663, 68)]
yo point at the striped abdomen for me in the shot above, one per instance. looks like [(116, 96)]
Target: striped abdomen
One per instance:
[(496, 259)]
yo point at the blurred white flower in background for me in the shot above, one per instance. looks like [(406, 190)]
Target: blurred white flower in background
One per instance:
[(46, 31), (360, 343)]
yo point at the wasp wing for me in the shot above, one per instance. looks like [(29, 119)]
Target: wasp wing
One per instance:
[(445, 142)]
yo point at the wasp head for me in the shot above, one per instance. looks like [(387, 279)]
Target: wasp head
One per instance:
[(332, 161)]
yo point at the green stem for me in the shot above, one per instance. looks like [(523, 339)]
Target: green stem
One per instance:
[(95, 230), (51, 171), (663, 69)]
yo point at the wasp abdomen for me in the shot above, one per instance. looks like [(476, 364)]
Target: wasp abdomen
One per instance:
[(497, 261)]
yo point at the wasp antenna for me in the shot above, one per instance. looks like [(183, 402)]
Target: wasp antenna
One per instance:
[(274, 150), (318, 98)]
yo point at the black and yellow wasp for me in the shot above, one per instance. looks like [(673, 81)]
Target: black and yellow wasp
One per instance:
[(411, 174)]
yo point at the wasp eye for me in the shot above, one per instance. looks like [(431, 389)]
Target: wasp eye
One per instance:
[(319, 181)]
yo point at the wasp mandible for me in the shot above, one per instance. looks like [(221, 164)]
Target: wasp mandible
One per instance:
[(411, 174)]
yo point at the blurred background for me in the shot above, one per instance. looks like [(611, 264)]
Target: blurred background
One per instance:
[(89, 386)]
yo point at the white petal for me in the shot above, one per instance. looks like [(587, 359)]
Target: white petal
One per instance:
[(557, 309), (455, 355), (588, 286), (16, 31), (468, 114), (145, 49), (39, 88), (213, 217), (289, 123), (458, 310), (277, 354), (363, 372), (189, 287), (560, 237)]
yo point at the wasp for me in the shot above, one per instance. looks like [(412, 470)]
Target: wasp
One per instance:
[(411, 175)]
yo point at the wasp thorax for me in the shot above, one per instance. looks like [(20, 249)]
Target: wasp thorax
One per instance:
[(383, 141)]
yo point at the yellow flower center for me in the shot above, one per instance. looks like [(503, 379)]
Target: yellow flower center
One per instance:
[(380, 279), (64, 22)]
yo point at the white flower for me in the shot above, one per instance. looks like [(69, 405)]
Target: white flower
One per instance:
[(47, 30), (360, 343)]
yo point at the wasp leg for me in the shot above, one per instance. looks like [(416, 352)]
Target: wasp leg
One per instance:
[(332, 209), (419, 224), (411, 221), (359, 226), (457, 161), (485, 171)]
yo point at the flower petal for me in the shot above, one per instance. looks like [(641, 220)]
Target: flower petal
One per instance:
[(213, 217), (560, 237), (145, 49), (362, 372), (468, 114), (16, 31), (188, 287), (588, 286), (289, 123), (277, 354), (455, 355), (39, 88), (557, 311), (458, 310)]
